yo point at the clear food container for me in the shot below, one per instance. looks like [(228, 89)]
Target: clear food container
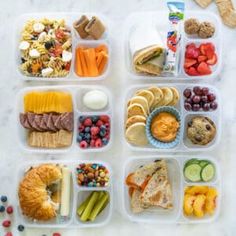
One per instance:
[(70, 18), (79, 109), (151, 18), (175, 165), (78, 194), (184, 144)]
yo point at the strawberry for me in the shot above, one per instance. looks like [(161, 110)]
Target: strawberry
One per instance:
[(202, 58), (192, 52), (203, 69), (189, 62), (207, 49), (213, 60), (192, 71)]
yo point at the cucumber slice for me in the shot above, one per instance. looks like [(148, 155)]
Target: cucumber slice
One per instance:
[(208, 172), (190, 162), (193, 172), (203, 163)]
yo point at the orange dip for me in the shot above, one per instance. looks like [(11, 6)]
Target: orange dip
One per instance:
[(164, 127)]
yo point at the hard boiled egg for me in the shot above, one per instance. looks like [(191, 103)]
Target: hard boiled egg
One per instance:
[(95, 100)]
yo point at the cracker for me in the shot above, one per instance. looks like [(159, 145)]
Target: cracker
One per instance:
[(167, 98), (147, 94), (203, 3), (135, 119), (176, 97), (224, 6), (229, 19), (136, 109), (140, 100), (136, 134)]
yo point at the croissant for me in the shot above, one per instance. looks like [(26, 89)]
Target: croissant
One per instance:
[(34, 197)]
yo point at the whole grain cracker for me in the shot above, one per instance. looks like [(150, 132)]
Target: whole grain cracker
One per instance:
[(203, 3)]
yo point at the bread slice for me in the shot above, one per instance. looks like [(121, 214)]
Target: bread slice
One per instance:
[(158, 190), (142, 175)]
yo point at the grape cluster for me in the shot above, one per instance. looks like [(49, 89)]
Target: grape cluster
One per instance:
[(199, 99)]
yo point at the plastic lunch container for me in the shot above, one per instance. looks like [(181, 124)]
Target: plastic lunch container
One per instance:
[(70, 18), (175, 164), (78, 195), (152, 18), (184, 145), (77, 93)]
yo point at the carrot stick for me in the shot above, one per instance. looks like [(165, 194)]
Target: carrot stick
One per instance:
[(100, 48), (83, 62), (78, 63), (103, 64), (90, 59), (99, 57)]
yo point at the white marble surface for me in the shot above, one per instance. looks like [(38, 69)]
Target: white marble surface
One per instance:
[(11, 157)]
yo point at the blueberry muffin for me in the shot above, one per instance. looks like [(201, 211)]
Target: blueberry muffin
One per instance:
[(201, 130)]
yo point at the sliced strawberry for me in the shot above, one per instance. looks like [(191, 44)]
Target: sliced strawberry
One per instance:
[(192, 52), (202, 58), (204, 69), (189, 62), (192, 71), (203, 49), (213, 60)]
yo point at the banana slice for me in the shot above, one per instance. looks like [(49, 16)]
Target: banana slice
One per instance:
[(158, 95), (167, 98), (148, 95), (136, 134), (176, 97), (135, 119), (140, 100), (136, 109)]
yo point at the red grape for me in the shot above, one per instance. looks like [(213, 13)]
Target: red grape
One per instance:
[(205, 91), (204, 99), (206, 107), (196, 99), (197, 90), (196, 107), (211, 97), (187, 106), (213, 105), (188, 100), (187, 93)]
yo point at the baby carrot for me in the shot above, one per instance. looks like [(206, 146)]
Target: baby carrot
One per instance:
[(90, 59), (78, 64), (100, 48), (103, 64), (83, 62)]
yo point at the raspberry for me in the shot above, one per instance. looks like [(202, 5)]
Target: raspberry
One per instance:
[(99, 123), (6, 223), (8, 234), (104, 118), (95, 130), (88, 122), (81, 128), (98, 143), (9, 209), (92, 143), (56, 234), (83, 144)]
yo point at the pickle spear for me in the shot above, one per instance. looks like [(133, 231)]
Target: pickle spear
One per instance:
[(99, 205), (89, 207)]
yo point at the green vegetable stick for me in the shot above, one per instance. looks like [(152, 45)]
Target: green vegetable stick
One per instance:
[(98, 207), (101, 194), (82, 206), (89, 207), (104, 206)]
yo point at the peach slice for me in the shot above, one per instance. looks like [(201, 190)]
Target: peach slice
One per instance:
[(188, 204), (198, 205), (194, 190), (211, 200)]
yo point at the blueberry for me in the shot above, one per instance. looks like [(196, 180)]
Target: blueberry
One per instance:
[(81, 119), (2, 208), (21, 228), (4, 198), (102, 132), (105, 141), (79, 138), (87, 129), (81, 134), (103, 127), (95, 119), (87, 136)]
